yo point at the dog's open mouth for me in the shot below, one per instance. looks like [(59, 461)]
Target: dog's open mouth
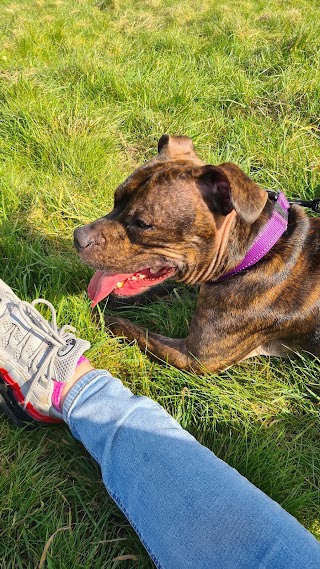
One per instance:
[(129, 284)]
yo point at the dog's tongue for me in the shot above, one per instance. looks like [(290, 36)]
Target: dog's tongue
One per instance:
[(101, 285)]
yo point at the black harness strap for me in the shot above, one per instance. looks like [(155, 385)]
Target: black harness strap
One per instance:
[(314, 205)]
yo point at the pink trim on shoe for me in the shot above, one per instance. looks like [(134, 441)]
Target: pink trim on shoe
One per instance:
[(56, 394), (81, 360), (59, 385)]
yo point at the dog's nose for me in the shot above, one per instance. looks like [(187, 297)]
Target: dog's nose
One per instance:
[(82, 238)]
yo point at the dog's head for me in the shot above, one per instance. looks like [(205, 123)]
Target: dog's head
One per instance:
[(173, 217)]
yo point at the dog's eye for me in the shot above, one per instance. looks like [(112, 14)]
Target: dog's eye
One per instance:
[(140, 224)]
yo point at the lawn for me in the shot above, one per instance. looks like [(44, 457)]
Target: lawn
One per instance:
[(86, 90)]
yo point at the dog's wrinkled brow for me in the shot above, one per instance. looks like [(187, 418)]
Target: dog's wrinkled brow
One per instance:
[(124, 192), (138, 179), (158, 169)]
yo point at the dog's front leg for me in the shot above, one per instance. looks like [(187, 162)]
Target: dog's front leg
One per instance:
[(171, 350)]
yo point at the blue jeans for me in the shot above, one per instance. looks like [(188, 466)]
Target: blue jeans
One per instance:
[(189, 508)]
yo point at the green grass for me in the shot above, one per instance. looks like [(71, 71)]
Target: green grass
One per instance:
[(86, 90)]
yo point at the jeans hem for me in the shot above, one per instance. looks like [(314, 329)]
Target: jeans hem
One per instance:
[(78, 388)]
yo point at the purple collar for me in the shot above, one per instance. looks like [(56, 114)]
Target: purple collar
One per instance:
[(267, 237)]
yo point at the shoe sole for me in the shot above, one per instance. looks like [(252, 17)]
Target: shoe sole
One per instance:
[(10, 409), (28, 408)]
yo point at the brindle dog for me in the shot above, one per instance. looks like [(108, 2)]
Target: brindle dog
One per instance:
[(176, 217)]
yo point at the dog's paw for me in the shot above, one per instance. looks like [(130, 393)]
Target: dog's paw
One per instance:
[(122, 327)]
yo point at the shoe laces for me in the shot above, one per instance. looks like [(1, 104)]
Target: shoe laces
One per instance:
[(54, 338)]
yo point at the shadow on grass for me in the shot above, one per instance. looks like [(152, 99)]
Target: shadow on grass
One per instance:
[(34, 264)]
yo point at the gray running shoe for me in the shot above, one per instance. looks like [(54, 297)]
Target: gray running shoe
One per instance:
[(33, 352)]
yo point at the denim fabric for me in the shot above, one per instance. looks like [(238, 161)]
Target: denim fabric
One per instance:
[(190, 509)]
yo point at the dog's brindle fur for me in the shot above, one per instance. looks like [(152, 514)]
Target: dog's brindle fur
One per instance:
[(201, 219)]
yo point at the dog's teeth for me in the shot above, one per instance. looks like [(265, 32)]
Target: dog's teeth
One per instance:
[(154, 271), (134, 279), (120, 284), (142, 276)]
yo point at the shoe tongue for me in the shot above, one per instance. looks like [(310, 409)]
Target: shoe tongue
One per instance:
[(102, 284), (67, 358)]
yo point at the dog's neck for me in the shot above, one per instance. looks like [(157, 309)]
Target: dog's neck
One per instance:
[(266, 238)]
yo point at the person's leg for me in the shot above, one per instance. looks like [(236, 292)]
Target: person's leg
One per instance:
[(189, 508)]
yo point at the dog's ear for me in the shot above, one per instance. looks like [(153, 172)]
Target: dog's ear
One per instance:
[(226, 187), (177, 148)]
